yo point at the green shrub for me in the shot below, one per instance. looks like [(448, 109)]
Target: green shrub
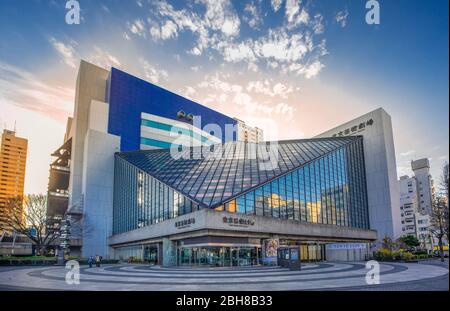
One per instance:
[(407, 256), (397, 255), (31, 260), (421, 252), (383, 254)]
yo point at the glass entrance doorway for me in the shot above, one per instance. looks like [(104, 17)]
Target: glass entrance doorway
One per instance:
[(218, 256), (151, 254)]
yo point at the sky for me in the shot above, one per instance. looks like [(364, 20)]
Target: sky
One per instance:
[(294, 68)]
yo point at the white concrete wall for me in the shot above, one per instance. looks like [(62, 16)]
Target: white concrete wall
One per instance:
[(346, 254), (98, 181), (212, 220), (98, 116), (381, 171), (91, 85), (97, 189)]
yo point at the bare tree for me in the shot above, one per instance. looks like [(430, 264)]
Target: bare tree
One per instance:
[(28, 216), (438, 222)]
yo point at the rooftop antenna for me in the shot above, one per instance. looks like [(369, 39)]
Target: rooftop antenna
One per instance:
[(15, 125)]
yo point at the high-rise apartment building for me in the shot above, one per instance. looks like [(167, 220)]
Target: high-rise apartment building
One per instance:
[(13, 156), (249, 134), (425, 187), (416, 195)]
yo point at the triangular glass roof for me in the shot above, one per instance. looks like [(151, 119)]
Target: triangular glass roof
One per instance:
[(209, 180)]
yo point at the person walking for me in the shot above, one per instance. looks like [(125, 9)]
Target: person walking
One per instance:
[(90, 261), (97, 261)]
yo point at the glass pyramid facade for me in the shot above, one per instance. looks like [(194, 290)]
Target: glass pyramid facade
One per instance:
[(313, 180)]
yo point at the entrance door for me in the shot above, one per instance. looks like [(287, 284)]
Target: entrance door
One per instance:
[(151, 254), (235, 257)]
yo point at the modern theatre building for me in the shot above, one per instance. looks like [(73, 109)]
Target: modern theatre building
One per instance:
[(232, 205), (148, 181)]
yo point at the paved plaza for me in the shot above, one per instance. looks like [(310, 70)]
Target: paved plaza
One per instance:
[(431, 275)]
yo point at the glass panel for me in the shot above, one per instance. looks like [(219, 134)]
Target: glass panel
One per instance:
[(241, 205), (329, 190), (231, 206)]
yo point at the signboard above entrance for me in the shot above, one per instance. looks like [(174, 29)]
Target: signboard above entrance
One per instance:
[(239, 222)]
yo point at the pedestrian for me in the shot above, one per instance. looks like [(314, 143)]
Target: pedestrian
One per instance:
[(97, 261), (90, 261)]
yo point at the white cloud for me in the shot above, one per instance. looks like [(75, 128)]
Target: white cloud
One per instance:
[(252, 15), (67, 51), (169, 30), (282, 90), (266, 88), (155, 32), (276, 4), (272, 64), (284, 109), (151, 73), (308, 71), (253, 67), (126, 36), (186, 21), (105, 8), (318, 26), (103, 59), (138, 28), (295, 14), (239, 52), (280, 46), (188, 92), (293, 52), (221, 91), (220, 15), (216, 29), (313, 69), (219, 23), (341, 18)]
